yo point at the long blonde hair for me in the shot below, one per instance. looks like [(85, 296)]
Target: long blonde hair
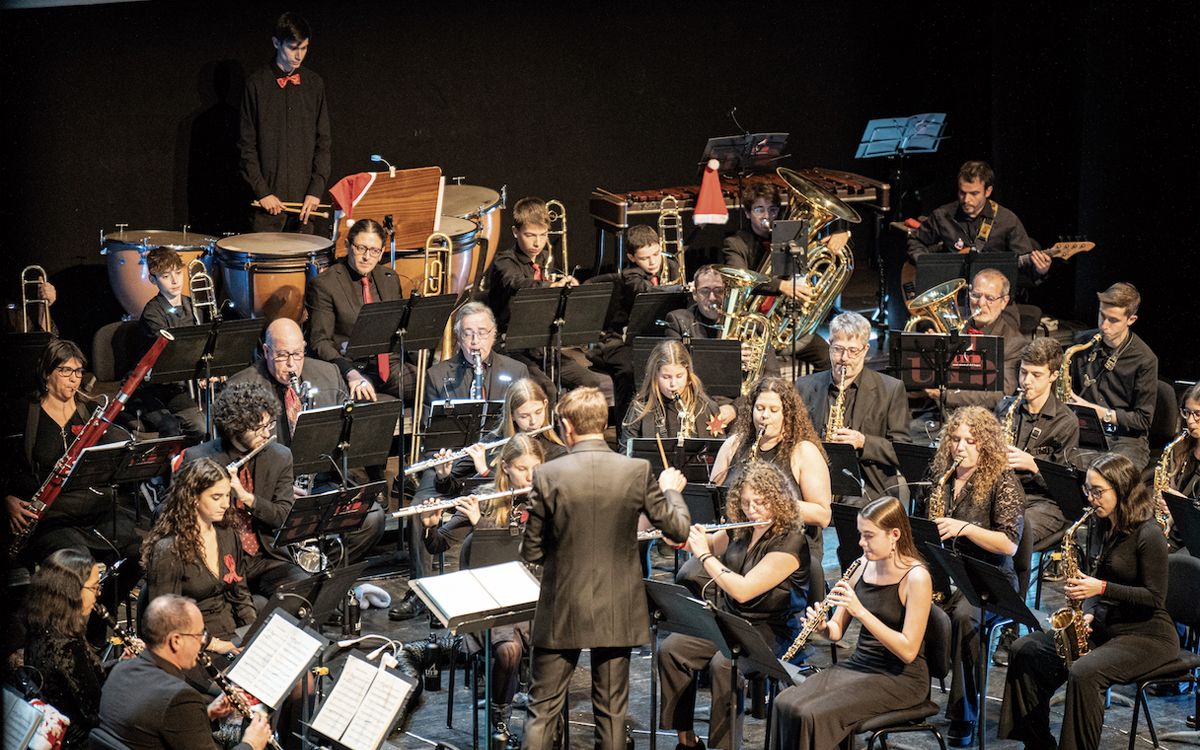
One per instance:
[(520, 445), (649, 397), (519, 393), (989, 441)]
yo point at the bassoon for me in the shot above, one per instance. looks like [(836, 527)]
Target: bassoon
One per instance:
[(88, 436)]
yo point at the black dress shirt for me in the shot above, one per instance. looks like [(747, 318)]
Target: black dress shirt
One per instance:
[(948, 229), (1129, 388), (511, 271), (1001, 509), (284, 139)]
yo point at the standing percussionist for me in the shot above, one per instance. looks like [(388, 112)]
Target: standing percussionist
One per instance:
[(284, 137), (582, 528)]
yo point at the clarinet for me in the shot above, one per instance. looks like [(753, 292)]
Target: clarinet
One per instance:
[(232, 694), (810, 624), (120, 636)]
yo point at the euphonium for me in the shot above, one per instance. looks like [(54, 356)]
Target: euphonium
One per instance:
[(828, 270), (670, 236), (836, 419), (1067, 625), (1062, 386), (439, 251), (558, 228), (1164, 470), (936, 506), (34, 276), (811, 623), (740, 321), (1010, 418), (203, 296)]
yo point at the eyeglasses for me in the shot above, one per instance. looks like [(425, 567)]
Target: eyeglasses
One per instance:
[(268, 427), (852, 351), (202, 635), (1094, 493), (476, 335), (94, 588), (760, 210), (1188, 414), (991, 299), (370, 252), (282, 357), (70, 372), (710, 291)]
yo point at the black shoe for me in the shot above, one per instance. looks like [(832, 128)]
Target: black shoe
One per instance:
[(408, 608), (698, 746), (1008, 636), (1191, 721), (961, 734), (1052, 570)]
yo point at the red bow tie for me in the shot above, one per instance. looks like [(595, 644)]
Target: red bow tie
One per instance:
[(283, 82)]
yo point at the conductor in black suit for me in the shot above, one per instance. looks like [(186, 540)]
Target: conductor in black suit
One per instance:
[(475, 329), (582, 529), (147, 705), (333, 301)]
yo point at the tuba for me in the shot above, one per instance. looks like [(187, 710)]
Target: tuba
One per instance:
[(203, 295), (34, 276), (741, 321), (828, 270), (1062, 386), (670, 236), (439, 249), (937, 307)]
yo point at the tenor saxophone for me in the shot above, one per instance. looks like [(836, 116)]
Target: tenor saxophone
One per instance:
[(1062, 387), (836, 419), (1010, 418), (818, 617), (1067, 625), (1163, 471), (936, 507)]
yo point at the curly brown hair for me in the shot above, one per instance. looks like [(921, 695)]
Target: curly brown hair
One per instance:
[(797, 425), (240, 407), (989, 441), (179, 518), (774, 486), (649, 397)]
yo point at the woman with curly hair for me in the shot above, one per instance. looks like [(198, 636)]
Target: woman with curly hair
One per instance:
[(670, 389), (192, 551), (61, 596), (761, 574), (984, 517)]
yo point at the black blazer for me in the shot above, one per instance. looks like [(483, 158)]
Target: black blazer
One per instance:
[(744, 249), (880, 414), (451, 378), (333, 301), (274, 494), (583, 516), (147, 706), (331, 388)]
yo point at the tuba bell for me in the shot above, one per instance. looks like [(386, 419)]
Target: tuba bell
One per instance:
[(938, 309), (740, 321), (828, 270)]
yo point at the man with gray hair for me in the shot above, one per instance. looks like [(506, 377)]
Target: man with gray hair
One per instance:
[(146, 703), (874, 409), (456, 377)]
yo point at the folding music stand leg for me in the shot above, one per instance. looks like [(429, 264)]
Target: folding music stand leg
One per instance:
[(487, 686), (654, 681)]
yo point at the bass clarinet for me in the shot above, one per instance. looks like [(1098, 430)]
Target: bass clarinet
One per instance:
[(810, 624), (88, 436)]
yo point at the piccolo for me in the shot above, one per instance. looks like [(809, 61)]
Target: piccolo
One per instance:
[(413, 510), (429, 463), (710, 528), (234, 466)]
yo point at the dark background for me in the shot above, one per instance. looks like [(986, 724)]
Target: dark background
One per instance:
[(126, 113)]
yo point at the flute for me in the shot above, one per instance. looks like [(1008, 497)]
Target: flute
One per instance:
[(234, 466), (413, 510), (429, 463), (709, 528)]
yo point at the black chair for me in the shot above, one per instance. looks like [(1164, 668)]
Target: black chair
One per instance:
[(915, 719), (1164, 425), (101, 739), (1183, 596)]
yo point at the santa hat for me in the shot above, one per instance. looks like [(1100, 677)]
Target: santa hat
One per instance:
[(710, 204)]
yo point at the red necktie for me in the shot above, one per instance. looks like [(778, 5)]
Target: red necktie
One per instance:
[(293, 78), (291, 405), (653, 281), (381, 360), (537, 272), (244, 525)]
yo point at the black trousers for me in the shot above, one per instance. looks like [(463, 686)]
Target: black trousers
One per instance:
[(679, 659), (266, 574), (552, 669), (261, 221), (1035, 671), (963, 704)]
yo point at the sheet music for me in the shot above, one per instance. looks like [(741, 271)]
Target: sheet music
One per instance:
[(274, 660), (364, 703), (458, 593), (21, 720), (508, 583)]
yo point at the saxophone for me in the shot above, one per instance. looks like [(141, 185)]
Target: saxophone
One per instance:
[(936, 506), (1010, 418), (1062, 386), (836, 419), (1163, 471), (810, 624), (1067, 625)]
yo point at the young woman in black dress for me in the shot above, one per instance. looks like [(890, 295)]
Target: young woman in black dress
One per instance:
[(890, 596), (670, 389)]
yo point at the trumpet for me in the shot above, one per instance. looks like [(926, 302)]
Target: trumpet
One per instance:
[(709, 528), (670, 237), (34, 276), (414, 510), (429, 463), (203, 296)]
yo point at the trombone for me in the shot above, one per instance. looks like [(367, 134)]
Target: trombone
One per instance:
[(670, 237), (34, 276), (204, 297), (439, 251), (558, 228)]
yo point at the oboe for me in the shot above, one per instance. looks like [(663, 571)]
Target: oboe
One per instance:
[(413, 510), (120, 636), (709, 528), (818, 617), (429, 463), (235, 697)]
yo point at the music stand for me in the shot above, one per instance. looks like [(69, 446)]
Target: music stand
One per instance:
[(901, 136), (986, 587), (971, 362), (22, 353), (845, 523), (494, 546), (690, 458), (323, 592), (1064, 484), (1092, 435), (647, 316), (455, 423), (845, 473), (716, 362), (914, 461), (338, 510), (130, 462), (1186, 517), (703, 501), (938, 268), (345, 436), (925, 532), (746, 153)]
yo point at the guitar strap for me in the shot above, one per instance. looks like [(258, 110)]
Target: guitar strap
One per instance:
[(985, 229)]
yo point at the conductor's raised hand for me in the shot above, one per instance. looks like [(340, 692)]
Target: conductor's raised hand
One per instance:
[(671, 479)]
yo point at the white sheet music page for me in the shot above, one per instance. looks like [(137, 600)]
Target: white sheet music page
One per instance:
[(510, 583), (347, 695), (458, 593), (274, 660), (378, 710), (21, 720)]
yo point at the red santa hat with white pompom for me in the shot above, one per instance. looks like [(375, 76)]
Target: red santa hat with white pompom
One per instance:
[(710, 204)]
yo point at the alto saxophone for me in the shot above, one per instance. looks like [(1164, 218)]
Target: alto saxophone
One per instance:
[(1163, 471), (818, 617), (1062, 386), (936, 506), (836, 419), (1067, 625), (1010, 418)]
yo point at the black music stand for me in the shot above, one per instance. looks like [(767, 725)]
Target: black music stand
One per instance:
[(338, 511), (933, 360), (553, 317), (495, 546), (925, 532), (716, 362), (1186, 517), (116, 464), (914, 461), (691, 458), (344, 437), (455, 423), (1064, 484), (987, 587), (22, 352), (745, 154), (704, 502), (313, 600), (845, 523), (938, 268), (647, 316), (1092, 433), (845, 473)]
